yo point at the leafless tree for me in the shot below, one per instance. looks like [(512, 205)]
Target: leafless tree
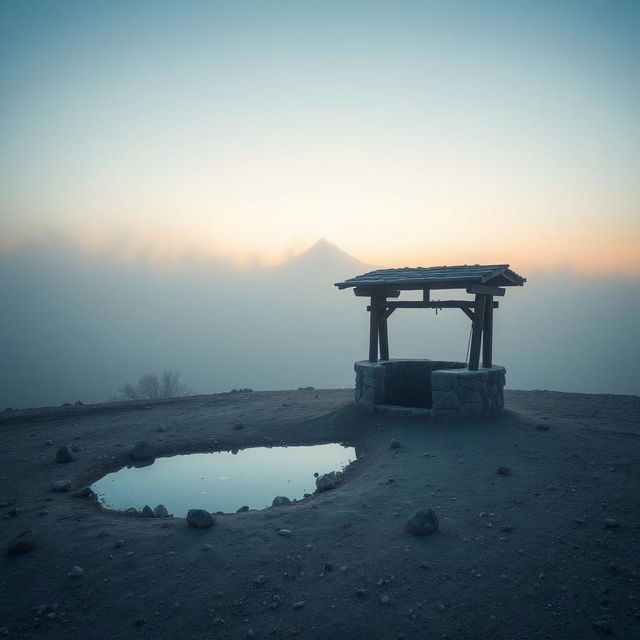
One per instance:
[(152, 387)]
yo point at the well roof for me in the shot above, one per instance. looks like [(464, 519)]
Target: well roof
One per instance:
[(456, 277)]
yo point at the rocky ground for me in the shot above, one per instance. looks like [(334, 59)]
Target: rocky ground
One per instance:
[(538, 533)]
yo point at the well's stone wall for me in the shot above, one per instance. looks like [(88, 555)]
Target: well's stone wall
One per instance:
[(432, 388), (468, 394)]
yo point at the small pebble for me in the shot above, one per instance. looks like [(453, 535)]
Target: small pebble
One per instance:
[(76, 572), (285, 532), (299, 604)]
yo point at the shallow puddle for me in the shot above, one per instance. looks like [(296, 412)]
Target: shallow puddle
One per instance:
[(222, 480)]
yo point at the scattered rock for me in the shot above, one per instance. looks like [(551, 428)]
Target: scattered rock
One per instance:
[(138, 622), (76, 572), (22, 543), (207, 547), (287, 533), (278, 501), (326, 567), (65, 454), (541, 426), (503, 471), (238, 426), (142, 451), (610, 523), (325, 482), (299, 604), (161, 428), (385, 599), (61, 485), (394, 444), (200, 519), (147, 512), (161, 511), (85, 492), (48, 443), (422, 522), (242, 509)]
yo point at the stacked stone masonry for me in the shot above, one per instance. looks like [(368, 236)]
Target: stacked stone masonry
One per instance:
[(437, 389)]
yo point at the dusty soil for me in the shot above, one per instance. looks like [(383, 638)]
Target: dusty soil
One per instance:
[(524, 555)]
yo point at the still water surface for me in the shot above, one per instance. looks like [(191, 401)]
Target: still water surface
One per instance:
[(222, 480)]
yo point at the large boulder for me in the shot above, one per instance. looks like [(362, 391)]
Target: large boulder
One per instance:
[(65, 454), (142, 451), (61, 485), (278, 501), (22, 543), (325, 482), (422, 522), (200, 519), (161, 511)]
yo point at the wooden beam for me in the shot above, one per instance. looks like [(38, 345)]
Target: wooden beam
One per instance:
[(487, 334), (382, 330), (476, 332), (426, 295), (386, 313), (483, 288), (436, 304), (470, 314), (376, 292), (373, 331)]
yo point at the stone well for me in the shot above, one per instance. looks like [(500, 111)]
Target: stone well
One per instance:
[(432, 388)]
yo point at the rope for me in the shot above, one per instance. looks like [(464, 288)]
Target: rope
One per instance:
[(469, 343)]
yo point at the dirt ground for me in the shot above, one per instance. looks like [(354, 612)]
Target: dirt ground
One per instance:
[(551, 550)]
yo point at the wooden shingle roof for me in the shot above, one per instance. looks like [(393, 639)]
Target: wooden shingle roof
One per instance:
[(457, 277)]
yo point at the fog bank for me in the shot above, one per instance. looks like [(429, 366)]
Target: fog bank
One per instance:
[(76, 327)]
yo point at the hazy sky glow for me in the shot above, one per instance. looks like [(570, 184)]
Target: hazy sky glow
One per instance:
[(404, 132)]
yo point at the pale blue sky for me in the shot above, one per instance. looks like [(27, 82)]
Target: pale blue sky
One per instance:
[(499, 130)]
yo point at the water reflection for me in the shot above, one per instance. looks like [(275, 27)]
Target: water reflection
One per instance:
[(222, 480)]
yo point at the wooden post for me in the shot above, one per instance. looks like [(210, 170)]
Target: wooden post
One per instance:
[(487, 334), (373, 331), (476, 336), (382, 325)]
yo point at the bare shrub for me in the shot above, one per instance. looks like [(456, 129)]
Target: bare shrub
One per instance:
[(152, 387)]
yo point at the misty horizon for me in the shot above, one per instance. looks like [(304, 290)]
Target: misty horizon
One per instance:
[(77, 327)]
